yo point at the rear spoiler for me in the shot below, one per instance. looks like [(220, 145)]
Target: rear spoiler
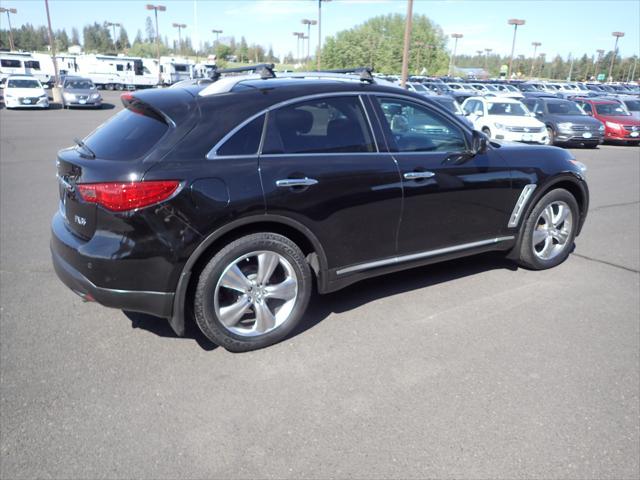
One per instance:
[(135, 104)]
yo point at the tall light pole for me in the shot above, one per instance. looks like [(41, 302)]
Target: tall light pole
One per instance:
[(600, 52), (299, 36), (542, 62), (217, 33), (486, 58), (318, 57), (515, 22), (57, 94), (9, 11), (180, 26), (455, 36), (114, 25), (407, 41), (533, 63), (308, 23), (156, 9), (615, 52)]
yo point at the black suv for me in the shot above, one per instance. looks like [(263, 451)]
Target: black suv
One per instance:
[(235, 199)]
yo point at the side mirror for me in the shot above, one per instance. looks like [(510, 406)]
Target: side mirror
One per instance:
[(479, 113), (478, 142)]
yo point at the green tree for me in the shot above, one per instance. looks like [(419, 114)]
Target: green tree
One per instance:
[(379, 43), (150, 29)]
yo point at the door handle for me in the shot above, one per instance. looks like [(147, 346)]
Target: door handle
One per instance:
[(418, 175), (296, 182)]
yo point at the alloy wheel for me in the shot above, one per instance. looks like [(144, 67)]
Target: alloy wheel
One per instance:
[(256, 293), (552, 231)]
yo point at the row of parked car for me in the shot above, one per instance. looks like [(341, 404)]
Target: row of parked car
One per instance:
[(25, 91), (541, 112)]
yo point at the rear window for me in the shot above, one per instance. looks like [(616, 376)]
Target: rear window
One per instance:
[(126, 136)]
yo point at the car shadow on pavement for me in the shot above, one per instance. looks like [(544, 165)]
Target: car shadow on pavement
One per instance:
[(352, 297), (365, 291)]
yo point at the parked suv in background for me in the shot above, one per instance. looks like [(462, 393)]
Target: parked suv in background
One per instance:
[(23, 91), (620, 126), (566, 122), (235, 200), (503, 118)]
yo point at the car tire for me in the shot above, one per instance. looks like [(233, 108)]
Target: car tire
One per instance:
[(235, 303), (551, 136), (109, 86), (486, 131), (591, 145), (549, 231)]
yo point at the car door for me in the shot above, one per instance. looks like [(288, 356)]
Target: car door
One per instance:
[(448, 201), (320, 166)]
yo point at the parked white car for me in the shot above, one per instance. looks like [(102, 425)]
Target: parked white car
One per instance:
[(502, 118), (24, 91)]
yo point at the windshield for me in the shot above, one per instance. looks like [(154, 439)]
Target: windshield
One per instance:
[(23, 83), (79, 84), (633, 105), (504, 108), (564, 108), (612, 109), (419, 87)]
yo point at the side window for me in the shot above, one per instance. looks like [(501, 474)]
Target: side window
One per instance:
[(586, 107), (470, 106), (119, 68), (416, 128), (245, 141), (326, 125), (10, 63)]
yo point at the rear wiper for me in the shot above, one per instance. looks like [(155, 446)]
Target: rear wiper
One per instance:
[(83, 145)]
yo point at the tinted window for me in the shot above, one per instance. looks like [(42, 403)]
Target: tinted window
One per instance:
[(79, 84), (586, 107), (614, 109), (632, 105), (119, 68), (32, 64), (504, 108), (126, 136), (180, 68), (327, 125), (245, 141), (564, 108), (19, 83), (416, 128), (10, 63)]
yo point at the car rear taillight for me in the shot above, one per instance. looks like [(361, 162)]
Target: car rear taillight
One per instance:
[(120, 197)]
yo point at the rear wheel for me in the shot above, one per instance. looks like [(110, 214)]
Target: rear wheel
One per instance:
[(549, 231), (109, 86), (253, 292), (591, 145)]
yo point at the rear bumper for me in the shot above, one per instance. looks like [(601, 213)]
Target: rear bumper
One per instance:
[(159, 304)]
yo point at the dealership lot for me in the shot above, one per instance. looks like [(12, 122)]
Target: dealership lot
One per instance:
[(471, 368)]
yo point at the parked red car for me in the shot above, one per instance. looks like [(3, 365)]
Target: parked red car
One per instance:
[(619, 124)]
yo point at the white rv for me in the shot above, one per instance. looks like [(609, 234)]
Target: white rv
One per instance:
[(23, 63), (117, 72), (175, 69)]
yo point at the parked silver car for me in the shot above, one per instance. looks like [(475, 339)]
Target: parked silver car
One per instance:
[(80, 92)]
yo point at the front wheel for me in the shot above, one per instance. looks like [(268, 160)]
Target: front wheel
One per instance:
[(253, 292), (549, 230), (551, 136)]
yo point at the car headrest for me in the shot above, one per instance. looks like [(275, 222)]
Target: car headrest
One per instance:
[(294, 120)]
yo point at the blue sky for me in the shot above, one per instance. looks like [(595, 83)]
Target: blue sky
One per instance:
[(562, 26)]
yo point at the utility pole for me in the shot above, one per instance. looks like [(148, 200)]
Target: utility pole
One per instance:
[(407, 41), (455, 36), (55, 90), (320, 31), (217, 33), (542, 62), (180, 26), (114, 25), (299, 36), (515, 22), (615, 52), (9, 11), (156, 9), (533, 63)]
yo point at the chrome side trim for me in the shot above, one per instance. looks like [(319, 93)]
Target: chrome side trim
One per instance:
[(524, 197), (426, 254)]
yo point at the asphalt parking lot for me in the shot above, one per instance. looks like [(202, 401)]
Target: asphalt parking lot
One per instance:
[(472, 368)]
